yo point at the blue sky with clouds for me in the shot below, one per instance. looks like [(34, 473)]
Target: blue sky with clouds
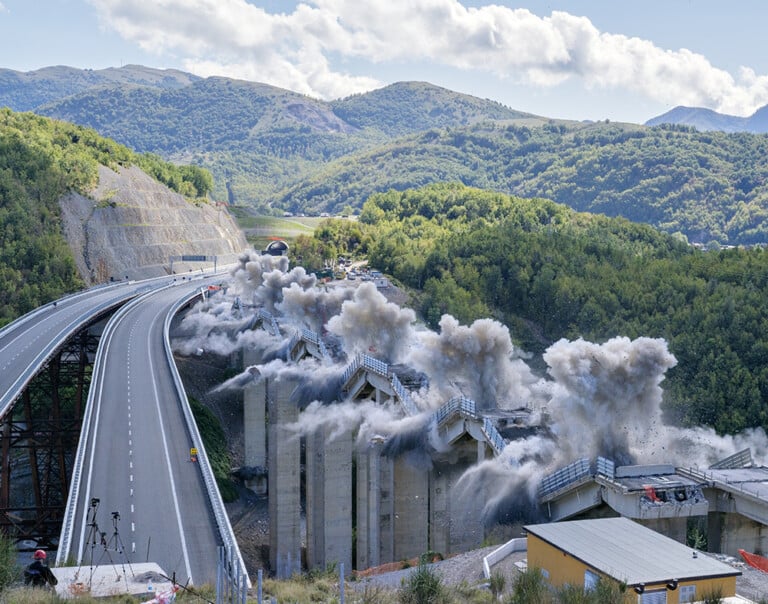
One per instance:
[(588, 59)]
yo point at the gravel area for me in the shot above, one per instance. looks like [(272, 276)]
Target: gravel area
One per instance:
[(466, 567), (752, 584)]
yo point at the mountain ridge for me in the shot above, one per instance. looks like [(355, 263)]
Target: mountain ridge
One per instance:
[(278, 151), (708, 120), (24, 91)]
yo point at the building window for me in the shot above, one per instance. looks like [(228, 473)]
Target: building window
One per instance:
[(590, 580), (687, 593), (657, 596)]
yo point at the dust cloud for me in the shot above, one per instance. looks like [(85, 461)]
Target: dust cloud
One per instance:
[(595, 399)]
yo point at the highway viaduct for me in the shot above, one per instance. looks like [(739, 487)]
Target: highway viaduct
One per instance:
[(137, 433)]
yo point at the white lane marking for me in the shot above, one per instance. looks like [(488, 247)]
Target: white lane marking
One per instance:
[(92, 452), (168, 459)]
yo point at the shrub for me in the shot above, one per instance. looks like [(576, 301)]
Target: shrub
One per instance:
[(530, 587), (423, 586)]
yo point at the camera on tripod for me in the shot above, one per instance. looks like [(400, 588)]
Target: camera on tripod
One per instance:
[(95, 502)]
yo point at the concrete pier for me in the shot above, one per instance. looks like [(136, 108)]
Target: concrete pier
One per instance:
[(254, 420), (284, 482), (329, 498), (411, 507), (729, 532), (374, 507), (455, 523)]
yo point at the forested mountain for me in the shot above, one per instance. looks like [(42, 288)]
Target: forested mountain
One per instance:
[(41, 160), (706, 186), (409, 107), (277, 150), (24, 91), (549, 272), (257, 139)]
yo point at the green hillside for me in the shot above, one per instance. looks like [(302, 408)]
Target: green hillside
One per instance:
[(550, 272), (277, 150), (41, 160), (707, 186), (408, 107), (259, 140), (23, 91)]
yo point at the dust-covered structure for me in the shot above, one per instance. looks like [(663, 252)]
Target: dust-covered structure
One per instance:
[(411, 439)]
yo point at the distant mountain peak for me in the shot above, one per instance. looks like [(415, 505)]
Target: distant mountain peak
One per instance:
[(708, 120)]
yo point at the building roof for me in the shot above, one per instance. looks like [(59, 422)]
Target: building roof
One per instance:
[(630, 552)]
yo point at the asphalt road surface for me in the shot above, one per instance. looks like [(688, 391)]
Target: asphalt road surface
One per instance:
[(152, 505)]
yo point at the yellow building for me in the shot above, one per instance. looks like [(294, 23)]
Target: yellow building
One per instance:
[(655, 568)]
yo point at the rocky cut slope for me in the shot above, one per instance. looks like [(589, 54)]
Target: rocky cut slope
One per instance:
[(130, 226)]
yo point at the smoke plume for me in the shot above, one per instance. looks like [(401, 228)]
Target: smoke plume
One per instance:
[(597, 399), (369, 324), (478, 361)]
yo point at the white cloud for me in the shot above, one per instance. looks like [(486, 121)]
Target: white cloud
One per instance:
[(302, 50)]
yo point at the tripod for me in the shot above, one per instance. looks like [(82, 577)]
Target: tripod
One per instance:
[(117, 543), (96, 535)]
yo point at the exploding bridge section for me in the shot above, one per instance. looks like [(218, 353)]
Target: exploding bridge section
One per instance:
[(392, 498)]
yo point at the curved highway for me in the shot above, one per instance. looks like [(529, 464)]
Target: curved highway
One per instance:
[(136, 455), (27, 343)]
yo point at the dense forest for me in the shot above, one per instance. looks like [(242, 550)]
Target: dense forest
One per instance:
[(549, 272), (706, 186), (41, 160)]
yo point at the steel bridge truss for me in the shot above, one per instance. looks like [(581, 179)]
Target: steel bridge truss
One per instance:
[(39, 440)]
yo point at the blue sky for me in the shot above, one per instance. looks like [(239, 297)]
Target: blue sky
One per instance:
[(591, 59)]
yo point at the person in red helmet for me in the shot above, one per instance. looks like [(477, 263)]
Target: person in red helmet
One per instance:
[(38, 574)]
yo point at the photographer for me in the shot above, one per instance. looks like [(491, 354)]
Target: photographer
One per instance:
[(38, 574)]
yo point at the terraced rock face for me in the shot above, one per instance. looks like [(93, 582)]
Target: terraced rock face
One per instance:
[(131, 226)]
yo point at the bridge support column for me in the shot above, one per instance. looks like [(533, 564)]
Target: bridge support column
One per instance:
[(374, 507), (329, 498), (674, 528), (411, 510), (284, 492), (454, 517), (730, 532), (254, 419)]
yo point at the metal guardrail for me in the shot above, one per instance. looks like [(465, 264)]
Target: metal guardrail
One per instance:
[(373, 364), (458, 404), (269, 319), (493, 436), (52, 346), (310, 336), (65, 538), (351, 368), (214, 496), (742, 459), (468, 408), (606, 467), (405, 399), (572, 473)]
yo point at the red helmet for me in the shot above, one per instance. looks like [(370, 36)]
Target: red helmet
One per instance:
[(39, 555)]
